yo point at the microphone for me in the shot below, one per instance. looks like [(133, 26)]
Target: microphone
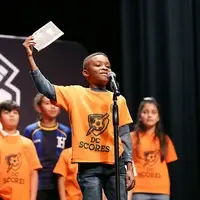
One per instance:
[(113, 84)]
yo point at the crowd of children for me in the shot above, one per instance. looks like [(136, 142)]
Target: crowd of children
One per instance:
[(51, 161)]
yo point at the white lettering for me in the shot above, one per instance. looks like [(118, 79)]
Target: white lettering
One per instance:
[(61, 142)]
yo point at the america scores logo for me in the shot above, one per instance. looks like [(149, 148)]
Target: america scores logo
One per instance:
[(98, 123), (8, 72)]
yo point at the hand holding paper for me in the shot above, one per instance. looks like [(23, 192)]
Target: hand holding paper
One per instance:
[(46, 35)]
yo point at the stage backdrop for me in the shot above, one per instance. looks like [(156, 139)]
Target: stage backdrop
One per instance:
[(61, 63)]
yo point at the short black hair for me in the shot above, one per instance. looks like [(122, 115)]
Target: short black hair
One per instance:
[(85, 61), (9, 105)]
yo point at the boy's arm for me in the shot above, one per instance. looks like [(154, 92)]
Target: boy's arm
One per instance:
[(61, 187), (61, 170), (42, 84), (34, 165), (103, 196), (124, 133), (34, 184), (130, 194), (125, 121)]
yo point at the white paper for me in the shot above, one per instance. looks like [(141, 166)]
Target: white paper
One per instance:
[(46, 35)]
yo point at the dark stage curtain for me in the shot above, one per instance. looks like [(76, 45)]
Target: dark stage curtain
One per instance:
[(161, 58)]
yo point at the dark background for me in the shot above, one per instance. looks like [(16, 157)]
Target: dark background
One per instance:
[(57, 67), (153, 46)]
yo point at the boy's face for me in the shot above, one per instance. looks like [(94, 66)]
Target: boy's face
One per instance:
[(9, 119), (97, 70), (47, 109)]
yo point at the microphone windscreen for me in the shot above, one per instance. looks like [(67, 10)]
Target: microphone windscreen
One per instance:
[(110, 74)]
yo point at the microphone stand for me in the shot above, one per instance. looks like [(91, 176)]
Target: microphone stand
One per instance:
[(116, 143)]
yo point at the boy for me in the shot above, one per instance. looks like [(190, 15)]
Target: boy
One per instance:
[(67, 172), (90, 112), (50, 138), (18, 157)]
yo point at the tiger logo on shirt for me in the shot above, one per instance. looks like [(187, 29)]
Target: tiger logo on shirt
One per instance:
[(151, 157), (14, 161), (97, 123)]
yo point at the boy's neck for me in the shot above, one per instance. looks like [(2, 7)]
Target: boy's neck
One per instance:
[(98, 87), (48, 123)]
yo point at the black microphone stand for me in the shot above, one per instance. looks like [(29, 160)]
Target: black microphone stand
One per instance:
[(115, 113)]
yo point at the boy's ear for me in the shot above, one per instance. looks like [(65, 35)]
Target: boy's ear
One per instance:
[(38, 109), (85, 73)]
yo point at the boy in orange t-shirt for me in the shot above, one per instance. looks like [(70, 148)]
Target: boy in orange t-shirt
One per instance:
[(68, 186), (152, 151), (90, 114), (18, 158)]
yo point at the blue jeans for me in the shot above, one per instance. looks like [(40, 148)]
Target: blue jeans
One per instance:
[(93, 177), (150, 196)]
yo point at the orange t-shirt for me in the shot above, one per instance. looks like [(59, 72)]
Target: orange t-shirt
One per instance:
[(90, 114), (18, 158), (69, 170), (152, 174)]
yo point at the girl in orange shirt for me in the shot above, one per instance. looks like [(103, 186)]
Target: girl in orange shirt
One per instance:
[(152, 151), (19, 163)]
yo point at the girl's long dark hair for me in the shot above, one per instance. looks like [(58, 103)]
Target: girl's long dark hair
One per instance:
[(159, 132)]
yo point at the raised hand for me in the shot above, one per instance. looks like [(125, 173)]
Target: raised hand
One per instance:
[(28, 44)]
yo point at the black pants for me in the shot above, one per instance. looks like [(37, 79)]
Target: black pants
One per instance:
[(48, 195)]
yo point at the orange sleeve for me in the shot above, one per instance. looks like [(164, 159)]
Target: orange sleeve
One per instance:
[(171, 152), (61, 165), (33, 159), (124, 115), (62, 96)]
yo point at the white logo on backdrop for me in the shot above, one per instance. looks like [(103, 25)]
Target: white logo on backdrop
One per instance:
[(8, 72)]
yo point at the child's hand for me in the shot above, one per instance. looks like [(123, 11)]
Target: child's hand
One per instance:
[(28, 44), (130, 179)]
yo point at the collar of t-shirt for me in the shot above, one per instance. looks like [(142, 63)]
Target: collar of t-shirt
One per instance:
[(99, 89), (5, 134)]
